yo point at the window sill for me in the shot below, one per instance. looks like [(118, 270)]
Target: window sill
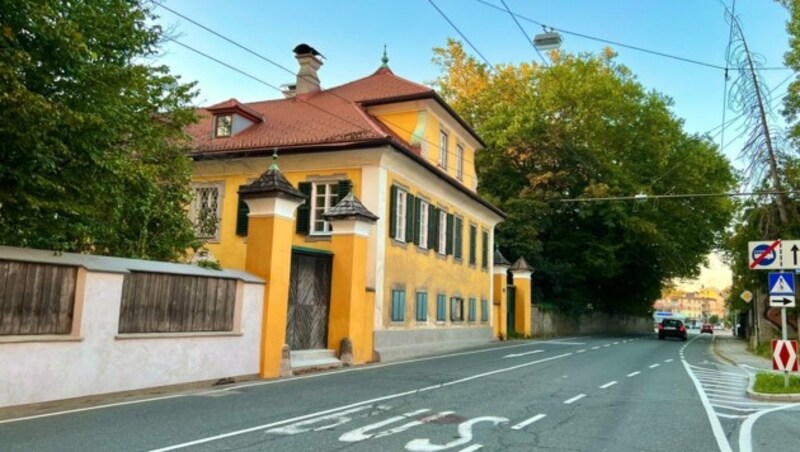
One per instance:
[(310, 238), (39, 338), (191, 334), (397, 323), (441, 322), (422, 250), (441, 256), (398, 243)]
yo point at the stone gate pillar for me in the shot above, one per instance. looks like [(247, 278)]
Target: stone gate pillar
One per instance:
[(272, 201), (522, 281), (500, 296), (350, 223)]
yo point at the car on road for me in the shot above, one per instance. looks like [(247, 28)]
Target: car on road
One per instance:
[(707, 328), (672, 328)]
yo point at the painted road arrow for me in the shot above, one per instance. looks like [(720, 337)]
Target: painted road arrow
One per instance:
[(517, 355)]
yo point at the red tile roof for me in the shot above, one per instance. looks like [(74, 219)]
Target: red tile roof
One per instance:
[(331, 118)]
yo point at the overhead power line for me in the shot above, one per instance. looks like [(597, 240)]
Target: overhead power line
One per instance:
[(524, 33), (273, 86), (643, 197), (463, 36), (619, 44)]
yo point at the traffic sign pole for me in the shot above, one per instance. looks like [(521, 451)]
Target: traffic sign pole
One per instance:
[(783, 335)]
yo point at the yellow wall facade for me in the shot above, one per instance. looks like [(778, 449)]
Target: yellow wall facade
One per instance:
[(414, 269), (231, 249), (421, 126)]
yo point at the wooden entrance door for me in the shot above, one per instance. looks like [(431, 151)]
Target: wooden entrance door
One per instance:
[(309, 301)]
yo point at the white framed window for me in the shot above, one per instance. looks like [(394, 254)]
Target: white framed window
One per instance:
[(459, 161), (442, 233), (423, 224), (400, 215), (324, 195), (223, 126), (443, 149), (205, 212)]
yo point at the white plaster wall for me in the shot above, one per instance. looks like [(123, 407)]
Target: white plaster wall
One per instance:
[(32, 372)]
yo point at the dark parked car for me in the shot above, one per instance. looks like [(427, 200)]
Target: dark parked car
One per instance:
[(707, 328), (672, 328)]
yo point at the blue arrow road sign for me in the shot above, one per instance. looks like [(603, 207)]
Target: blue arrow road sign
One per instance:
[(781, 283)]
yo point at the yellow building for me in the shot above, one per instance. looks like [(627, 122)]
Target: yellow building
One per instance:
[(407, 158)]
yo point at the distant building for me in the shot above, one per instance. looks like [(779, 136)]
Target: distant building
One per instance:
[(691, 306)]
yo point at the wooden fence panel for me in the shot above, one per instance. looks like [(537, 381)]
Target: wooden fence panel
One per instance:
[(36, 298), (166, 303)]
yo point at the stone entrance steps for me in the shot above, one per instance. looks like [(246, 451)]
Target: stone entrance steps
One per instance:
[(307, 360)]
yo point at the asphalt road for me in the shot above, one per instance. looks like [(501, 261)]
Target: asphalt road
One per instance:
[(583, 394)]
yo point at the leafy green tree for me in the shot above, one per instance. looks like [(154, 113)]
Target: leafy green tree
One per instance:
[(714, 319), (585, 128), (93, 151)]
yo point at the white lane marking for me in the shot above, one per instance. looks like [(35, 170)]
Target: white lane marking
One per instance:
[(517, 355), (581, 350), (528, 422), (668, 360), (728, 407), (91, 408), (653, 366), (615, 343), (697, 369), (731, 416), (716, 426), (595, 348), (330, 421), (574, 399), (356, 404), (562, 343), (608, 385), (361, 433), (633, 374), (472, 448), (607, 345), (464, 436), (745, 431)]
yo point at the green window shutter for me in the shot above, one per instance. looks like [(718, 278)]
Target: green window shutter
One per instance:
[(303, 225), (449, 245), (459, 237), (484, 249), (345, 187), (410, 201), (393, 213), (433, 222), (417, 219), (241, 218), (473, 236)]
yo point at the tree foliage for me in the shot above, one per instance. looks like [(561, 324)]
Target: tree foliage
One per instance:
[(585, 128), (93, 151)]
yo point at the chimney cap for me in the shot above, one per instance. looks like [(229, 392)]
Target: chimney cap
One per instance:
[(303, 49)]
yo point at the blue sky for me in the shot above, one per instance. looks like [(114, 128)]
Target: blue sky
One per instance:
[(351, 35)]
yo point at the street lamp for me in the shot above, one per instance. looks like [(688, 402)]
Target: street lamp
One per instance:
[(548, 40)]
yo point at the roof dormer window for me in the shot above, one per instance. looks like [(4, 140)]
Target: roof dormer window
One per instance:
[(223, 126)]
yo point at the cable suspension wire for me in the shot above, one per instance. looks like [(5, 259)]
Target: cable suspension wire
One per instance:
[(463, 36), (643, 197), (284, 68), (725, 89), (524, 33), (619, 44)]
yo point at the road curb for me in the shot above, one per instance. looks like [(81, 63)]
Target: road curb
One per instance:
[(721, 355), (770, 397)]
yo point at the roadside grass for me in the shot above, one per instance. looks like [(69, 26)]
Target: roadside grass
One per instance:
[(763, 350), (773, 384)]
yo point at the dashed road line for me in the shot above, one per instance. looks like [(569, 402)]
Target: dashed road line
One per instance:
[(668, 360), (574, 399), (595, 348), (608, 385), (633, 374), (653, 366), (528, 422)]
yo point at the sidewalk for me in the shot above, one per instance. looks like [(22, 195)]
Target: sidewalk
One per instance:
[(734, 350)]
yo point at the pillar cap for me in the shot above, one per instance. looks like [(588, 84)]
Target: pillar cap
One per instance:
[(521, 265), (271, 184), (499, 259), (350, 208)]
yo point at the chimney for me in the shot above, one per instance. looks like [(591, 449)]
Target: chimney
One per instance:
[(310, 61)]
